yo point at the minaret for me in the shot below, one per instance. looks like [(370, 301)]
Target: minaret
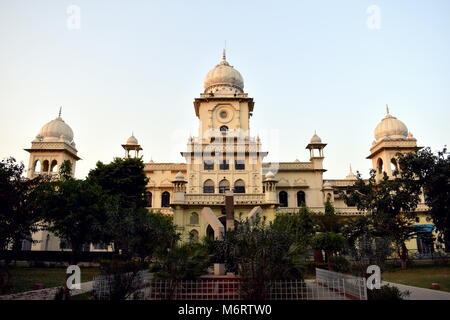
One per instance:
[(391, 137), (132, 144), (53, 144), (316, 157)]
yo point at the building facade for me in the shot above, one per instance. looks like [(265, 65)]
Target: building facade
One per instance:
[(224, 165)]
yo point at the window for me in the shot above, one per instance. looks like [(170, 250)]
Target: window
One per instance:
[(148, 199), (208, 165), (380, 166), (193, 236), (54, 166), (224, 165), (283, 198), (224, 130), (45, 166), (208, 186), (37, 166), (165, 199), (394, 166), (193, 219), (224, 186), (239, 165), (239, 186), (301, 199)]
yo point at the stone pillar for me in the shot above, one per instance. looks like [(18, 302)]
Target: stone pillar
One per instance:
[(229, 210)]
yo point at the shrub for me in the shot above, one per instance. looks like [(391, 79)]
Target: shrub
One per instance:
[(387, 292), (340, 264)]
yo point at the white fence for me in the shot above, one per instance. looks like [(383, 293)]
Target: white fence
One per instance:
[(232, 290), (352, 287)]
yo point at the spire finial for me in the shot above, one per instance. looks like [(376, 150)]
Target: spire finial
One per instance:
[(387, 109), (351, 171), (224, 53), (59, 114)]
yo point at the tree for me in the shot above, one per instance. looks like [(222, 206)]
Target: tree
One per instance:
[(261, 253), (433, 175), (391, 205), (331, 243), (75, 211), (125, 181), (124, 178), (151, 232), (18, 208), (299, 225)]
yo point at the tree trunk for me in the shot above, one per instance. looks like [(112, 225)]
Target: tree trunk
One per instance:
[(403, 255)]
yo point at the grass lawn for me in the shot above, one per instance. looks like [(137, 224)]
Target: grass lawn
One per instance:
[(421, 275), (23, 279)]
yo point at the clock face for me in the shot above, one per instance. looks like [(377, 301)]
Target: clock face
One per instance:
[(224, 113)]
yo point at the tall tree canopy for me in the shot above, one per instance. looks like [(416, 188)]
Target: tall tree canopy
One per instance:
[(75, 211), (432, 171), (18, 208), (124, 178), (390, 203)]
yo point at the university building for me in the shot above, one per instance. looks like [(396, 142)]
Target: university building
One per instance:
[(224, 168)]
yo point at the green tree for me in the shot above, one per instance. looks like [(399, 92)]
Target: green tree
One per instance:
[(19, 213), (124, 178), (433, 175), (299, 225), (331, 243), (391, 204), (75, 211), (261, 253)]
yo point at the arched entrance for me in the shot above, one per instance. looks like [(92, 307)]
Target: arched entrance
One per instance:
[(209, 230)]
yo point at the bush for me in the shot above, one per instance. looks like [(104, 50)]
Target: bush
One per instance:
[(340, 264), (387, 292), (118, 281)]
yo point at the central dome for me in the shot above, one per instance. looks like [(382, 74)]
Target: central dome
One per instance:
[(55, 130), (224, 79), (392, 128)]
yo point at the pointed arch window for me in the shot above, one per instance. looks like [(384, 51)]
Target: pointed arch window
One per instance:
[(208, 186), (239, 186), (283, 198), (165, 199), (224, 186), (301, 198)]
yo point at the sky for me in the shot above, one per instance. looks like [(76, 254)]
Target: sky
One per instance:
[(119, 67)]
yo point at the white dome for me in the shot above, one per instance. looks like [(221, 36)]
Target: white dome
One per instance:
[(392, 128), (56, 130), (224, 79), (132, 140), (316, 139), (179, 176), (327, 185)]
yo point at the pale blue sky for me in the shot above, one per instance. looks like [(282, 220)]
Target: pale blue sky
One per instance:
[(309, 65)]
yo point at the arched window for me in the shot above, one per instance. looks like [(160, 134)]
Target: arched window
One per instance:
[(239, 186), (54, 166), (193, 236), (380, 166), (394, 166), (208, 186), (148, 199), (193, 219), (224, 186), (283, 198), (301, 198), (37, 166), (224, 129), (45, 166), (165, 199)]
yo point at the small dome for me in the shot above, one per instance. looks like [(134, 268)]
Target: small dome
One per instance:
[(269, 175), (56, 130), (179, 176), (132, 140), (316, 139), (224, 79), (327, 185), (392, 128)]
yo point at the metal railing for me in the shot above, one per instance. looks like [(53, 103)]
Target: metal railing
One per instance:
[(231, 289), (352, 287)]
